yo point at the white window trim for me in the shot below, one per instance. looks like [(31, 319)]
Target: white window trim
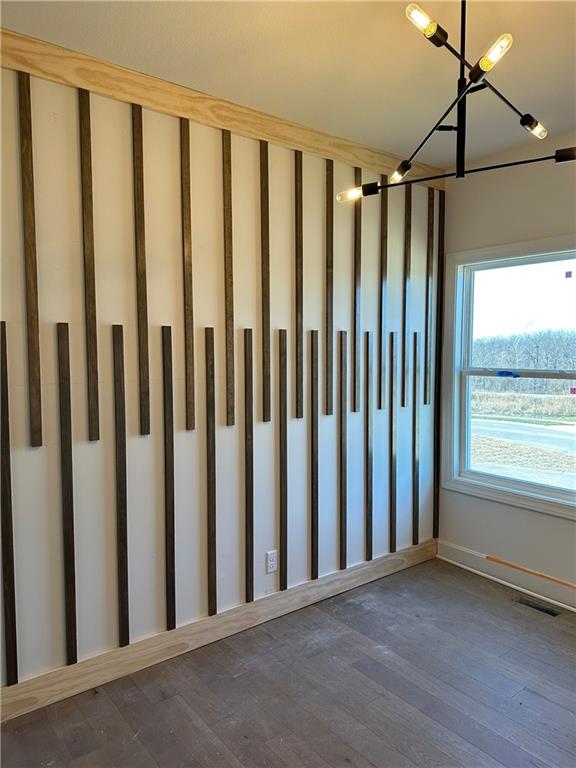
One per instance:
[(494, 488)]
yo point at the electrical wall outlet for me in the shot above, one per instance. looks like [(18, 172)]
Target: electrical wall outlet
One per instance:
[(272, 561)]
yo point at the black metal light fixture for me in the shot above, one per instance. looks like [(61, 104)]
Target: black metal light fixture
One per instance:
[(467, 85)]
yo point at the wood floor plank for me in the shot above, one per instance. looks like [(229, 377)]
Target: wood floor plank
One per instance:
[(30, 265), (8, 579)]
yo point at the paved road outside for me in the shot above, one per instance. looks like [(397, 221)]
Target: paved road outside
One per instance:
[(554, 438)]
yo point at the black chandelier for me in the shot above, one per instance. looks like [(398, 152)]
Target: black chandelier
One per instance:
[(467, 85)]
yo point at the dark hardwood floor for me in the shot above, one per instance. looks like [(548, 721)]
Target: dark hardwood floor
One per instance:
[(433, 666)]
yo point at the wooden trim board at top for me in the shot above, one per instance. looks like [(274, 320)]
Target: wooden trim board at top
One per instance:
[(61, 65), (67, 681)]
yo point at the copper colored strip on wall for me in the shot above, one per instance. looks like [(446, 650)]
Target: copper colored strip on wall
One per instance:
[(343, 450), (429, 301), (9, 594), (90, 329), (211, 471), (369, 447), (67, 490), (283, 454), (357, 296), (121, 486), (140, 254), (169, 546), (382, 295), (329, 293), (392, 416), (438, 371), (314, 454), (248, 468), (265, 277), (299, 285), (187, 278), (416, 441), (405, 386), (30, 268), (228, 275)]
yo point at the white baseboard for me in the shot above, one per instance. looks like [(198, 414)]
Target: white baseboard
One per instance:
[(67, 681), (530, 584)]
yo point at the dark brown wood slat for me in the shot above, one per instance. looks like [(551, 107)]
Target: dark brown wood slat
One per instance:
[(369, 447), (8, 581), (248, 466), (211, 472), (438, 371), (429, 301), (187, 273), (169, 544), (329, 293), (121, 485), (343, 449), (90, 328), (314, 492), (357, 296), (140, 254), (67, 490), (228, 275), (416, 441), (30, 266), (382, 295), (299, 284), (392, 440), (405, 385), (265, 276), (283, 453)]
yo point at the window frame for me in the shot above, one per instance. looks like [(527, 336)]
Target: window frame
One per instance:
[(460, 268)]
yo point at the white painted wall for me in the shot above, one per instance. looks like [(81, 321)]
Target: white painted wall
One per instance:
[(36, 491), (532, 202)]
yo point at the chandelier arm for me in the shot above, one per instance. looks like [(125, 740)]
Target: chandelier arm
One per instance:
[(461, 110), (464, 62), (451, 106)]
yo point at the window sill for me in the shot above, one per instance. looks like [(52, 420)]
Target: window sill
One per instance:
[(489, 488)]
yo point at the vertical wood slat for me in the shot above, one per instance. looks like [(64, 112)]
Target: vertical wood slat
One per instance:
[(121, 485), (438, 366), (67, 491), (30, 266), (369, 447), (187, 275), (329, 293), (382, 294), (405, 385), (283, 454), (343, 450), (90, 329), (210, 471), (429, 301), (228, 275), (141, 280), (416, 441), (357, 296), (248, 467), (392, 441), (299, 284), (8, 581), (314, 494), (169, 545), (265, 277)]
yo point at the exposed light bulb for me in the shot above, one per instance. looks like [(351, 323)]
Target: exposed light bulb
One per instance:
[(533, 126), (400, 172), (348, 195), (421, 20), (496, 51)]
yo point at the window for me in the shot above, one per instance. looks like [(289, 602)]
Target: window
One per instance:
[(513, 395)]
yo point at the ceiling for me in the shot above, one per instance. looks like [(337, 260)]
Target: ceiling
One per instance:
[(354, 69)]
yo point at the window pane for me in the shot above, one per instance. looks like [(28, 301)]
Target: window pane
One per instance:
[(525, 316), (524, 429)]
